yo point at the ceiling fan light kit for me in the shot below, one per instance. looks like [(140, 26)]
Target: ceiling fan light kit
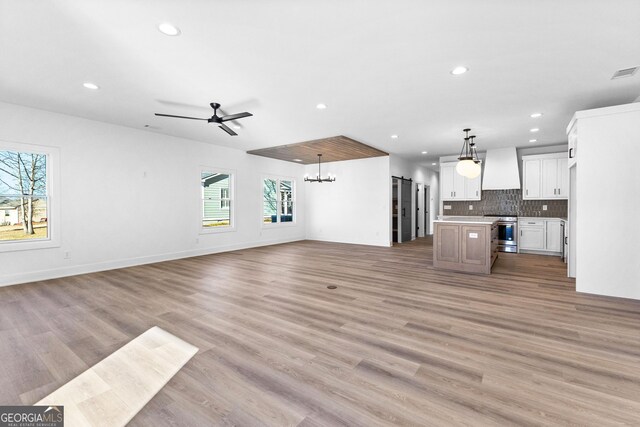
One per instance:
[(318, 178), (468, 162), (215, 118)]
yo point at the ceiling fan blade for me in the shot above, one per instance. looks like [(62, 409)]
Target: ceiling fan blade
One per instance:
[(236, 116), (179, 117), (227, 129)]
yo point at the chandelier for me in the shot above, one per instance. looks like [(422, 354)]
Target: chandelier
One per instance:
[(318, 177), (468, 162)]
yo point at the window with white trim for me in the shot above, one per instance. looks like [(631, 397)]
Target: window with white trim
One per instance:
[(278, 195), (24, 201), (216, 187)]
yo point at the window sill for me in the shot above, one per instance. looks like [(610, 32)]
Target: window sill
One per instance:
[(278, 224), (216, 230), (28, 245)]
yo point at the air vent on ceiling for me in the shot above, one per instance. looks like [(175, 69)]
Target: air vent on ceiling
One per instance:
[(624, 73)]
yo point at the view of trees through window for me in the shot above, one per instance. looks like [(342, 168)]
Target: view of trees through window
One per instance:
[(23, 196), (278, 202), (216, 199)]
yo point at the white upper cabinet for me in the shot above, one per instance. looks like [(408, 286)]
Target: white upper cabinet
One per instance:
[(563, 178), (545, 176), (531, 181), (456, 187), (472, 189)]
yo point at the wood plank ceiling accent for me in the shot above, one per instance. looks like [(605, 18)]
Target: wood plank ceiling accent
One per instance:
[(333, 149)]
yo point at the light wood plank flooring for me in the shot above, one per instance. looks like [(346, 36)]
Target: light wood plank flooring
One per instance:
[(397, 343)]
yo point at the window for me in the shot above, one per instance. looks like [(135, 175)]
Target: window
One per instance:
[(217, 200), (224, 198), (278, 200), (24, 201)]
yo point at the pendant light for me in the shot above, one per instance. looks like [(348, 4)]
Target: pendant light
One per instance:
[(318, 177), (468, 162)]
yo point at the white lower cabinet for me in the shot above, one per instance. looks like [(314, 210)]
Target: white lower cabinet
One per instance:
[(554, 236), (540, 235), (532, 235)]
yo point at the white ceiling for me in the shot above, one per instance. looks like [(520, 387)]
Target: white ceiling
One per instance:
[(382, 67)]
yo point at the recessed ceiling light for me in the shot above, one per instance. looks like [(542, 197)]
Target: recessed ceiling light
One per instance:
[(321, 106), (533, 140), (433, 164), (424, 152), (394, 136), (169, 29), (459, 70), (536, 115), (534, 130), (297, 160), (91, 86)]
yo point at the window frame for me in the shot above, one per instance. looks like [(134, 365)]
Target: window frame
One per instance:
[(52, 186), (294, 202), (231, 201), (224, 200)]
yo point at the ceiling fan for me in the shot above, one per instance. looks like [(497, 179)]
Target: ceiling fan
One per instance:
[(215, 118)]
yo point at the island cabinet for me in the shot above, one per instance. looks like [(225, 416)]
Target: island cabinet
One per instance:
[(465, 246)]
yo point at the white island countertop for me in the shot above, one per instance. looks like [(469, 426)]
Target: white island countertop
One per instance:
[(468, 219)]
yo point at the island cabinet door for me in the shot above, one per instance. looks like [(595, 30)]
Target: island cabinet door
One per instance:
[(448, 249), (474, 244)]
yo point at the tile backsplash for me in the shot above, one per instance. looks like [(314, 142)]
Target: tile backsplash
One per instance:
[(508, 202)]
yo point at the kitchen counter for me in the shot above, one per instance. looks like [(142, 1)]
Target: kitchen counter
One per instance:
[(467, 219), (466, 244)]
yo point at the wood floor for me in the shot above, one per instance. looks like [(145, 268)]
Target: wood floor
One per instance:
[(397, 343)]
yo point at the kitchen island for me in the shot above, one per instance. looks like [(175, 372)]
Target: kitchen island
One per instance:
[(467, 244)]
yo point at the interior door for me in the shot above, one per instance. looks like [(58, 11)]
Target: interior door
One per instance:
[(406, 211), (394, 210), (417, 210), (427, 199)]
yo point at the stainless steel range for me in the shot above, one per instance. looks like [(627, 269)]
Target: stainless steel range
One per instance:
[(507, 233)]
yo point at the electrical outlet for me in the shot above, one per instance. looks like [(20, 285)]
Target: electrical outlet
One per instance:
[(470, 207), (544, 207), (197, 240), (67, 255), (447, 207)]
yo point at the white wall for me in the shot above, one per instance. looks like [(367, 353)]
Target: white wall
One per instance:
[(608, 202), (356, 208), (130, 197), (420, 175)]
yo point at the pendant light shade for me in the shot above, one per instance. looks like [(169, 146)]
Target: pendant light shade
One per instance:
[(468, 168), (468, 162)]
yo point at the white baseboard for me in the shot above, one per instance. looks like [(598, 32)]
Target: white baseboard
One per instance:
[(349, 242), (35, 276)]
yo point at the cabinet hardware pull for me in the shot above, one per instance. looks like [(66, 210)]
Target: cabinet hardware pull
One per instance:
[(527, 191), (571, 153), (554, 191)]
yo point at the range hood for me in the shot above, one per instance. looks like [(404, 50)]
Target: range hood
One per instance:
[(501, 170)]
